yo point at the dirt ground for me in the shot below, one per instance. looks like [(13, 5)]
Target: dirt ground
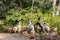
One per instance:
[(14, 36)]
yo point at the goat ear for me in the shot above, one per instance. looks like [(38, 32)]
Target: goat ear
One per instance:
[(39, 17)]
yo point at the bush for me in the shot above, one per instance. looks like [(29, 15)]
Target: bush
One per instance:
[(14, 16)]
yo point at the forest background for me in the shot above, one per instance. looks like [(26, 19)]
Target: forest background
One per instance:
[(14, 11)]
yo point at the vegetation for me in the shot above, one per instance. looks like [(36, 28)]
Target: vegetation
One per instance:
[(13, 11)]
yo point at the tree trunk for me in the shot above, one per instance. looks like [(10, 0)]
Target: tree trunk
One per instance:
[(32, 6), (20, 3), (58, 11), (54, 6)]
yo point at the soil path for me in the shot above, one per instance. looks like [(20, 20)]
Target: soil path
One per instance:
[(9, 36), (13, 36)]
